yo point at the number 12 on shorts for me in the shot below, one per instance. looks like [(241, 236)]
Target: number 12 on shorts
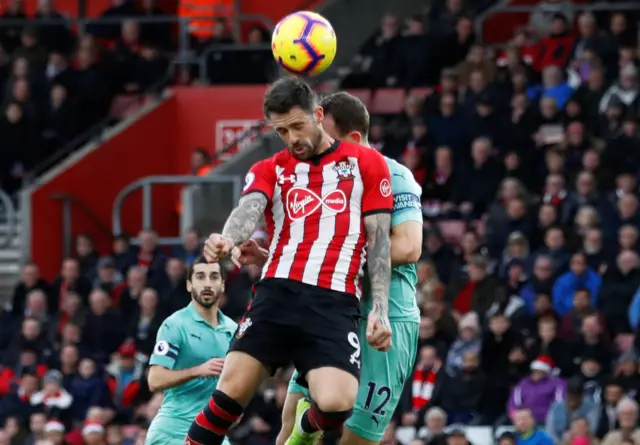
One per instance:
[(383, 394)]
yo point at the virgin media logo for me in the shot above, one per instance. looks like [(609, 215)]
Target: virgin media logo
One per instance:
[(302, 202)]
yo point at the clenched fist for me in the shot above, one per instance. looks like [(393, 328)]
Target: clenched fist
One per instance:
[(217, 247)]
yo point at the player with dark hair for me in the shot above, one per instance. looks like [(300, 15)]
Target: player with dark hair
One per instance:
[(323, 201), (383, 375), (189, 354)]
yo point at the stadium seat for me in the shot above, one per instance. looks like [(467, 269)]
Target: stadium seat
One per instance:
[(124, 105), (452, 231), (325, 87), (421, 92), (363, 95), (387, 101)]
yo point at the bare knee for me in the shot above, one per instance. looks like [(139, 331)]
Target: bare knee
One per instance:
[(333, 390)]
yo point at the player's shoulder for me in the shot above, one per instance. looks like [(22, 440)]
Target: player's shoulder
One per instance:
[(402, 179), (227, 323), (177, 320), (352, 149)]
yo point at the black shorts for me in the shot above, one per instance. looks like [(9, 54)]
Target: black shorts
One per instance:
[(312, 327)]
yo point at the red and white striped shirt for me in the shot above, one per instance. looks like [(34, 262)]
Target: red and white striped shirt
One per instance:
[(316, 210)]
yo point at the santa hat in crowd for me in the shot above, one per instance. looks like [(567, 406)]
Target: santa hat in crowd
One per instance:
[(543, 363), (54, 426), (92, 426)]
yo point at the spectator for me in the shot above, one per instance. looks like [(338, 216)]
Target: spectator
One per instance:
[(88, 389), (107, 330), (627, 410), (620, 283), (30, 280), (537, 392), (578, 278), (125, 372), (108, 278), (612, 395), (70, 279), (469, 341), (53, 398), (54, 431), (579, 433), (562, 414), (146, 322), (433, 432), (16, 401), (526, 430)]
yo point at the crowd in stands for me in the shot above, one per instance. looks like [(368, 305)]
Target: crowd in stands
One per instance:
[(56, 84), (529, 283)]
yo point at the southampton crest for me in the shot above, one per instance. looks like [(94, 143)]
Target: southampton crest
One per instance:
[(344, 169)]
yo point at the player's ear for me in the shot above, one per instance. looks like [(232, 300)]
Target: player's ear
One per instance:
[(189, 286), (355, 137), (318, 113)]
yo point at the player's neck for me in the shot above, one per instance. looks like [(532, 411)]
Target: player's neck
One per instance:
[(210, 314), (325, 144)]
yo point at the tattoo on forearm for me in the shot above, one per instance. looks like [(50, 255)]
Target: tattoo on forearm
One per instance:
[(378, 229), (243, 219)]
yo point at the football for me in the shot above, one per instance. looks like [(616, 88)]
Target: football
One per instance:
[(304, 43)]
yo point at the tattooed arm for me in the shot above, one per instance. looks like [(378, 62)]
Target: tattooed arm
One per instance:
[(378, 227), (243, 219)]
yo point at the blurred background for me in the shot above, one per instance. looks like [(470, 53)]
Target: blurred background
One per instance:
[(126, 129)]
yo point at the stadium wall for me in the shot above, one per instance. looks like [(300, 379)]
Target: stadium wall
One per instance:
[(159, 142)]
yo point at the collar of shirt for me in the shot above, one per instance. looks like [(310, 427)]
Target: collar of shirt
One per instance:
[(224, 323)]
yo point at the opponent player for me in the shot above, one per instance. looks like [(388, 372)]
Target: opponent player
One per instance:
[(323, 202), (189, 354), (383, 375)]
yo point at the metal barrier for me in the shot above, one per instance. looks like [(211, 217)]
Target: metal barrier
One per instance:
[(184, 50), (68, 201), (204, 66), (146, 185), (12, 218), (501, 7)]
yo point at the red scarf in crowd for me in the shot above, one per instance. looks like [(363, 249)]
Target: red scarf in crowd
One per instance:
[(424, 383)]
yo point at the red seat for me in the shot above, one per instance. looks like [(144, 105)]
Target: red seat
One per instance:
[(325, 88), (387, 101), (363, 95), (452, 231), (422, 93)]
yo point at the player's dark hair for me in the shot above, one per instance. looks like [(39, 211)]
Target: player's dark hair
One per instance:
[(202, 260), (348, 112), (287, 93)]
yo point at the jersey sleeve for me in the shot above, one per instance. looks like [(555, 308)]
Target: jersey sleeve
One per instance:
[(407, 192), (168, 344), (261, 178), (376, 181)]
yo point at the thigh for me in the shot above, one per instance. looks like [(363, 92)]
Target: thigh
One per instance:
[(241, 376), (382, 381), (263, 333), (329, 339)]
